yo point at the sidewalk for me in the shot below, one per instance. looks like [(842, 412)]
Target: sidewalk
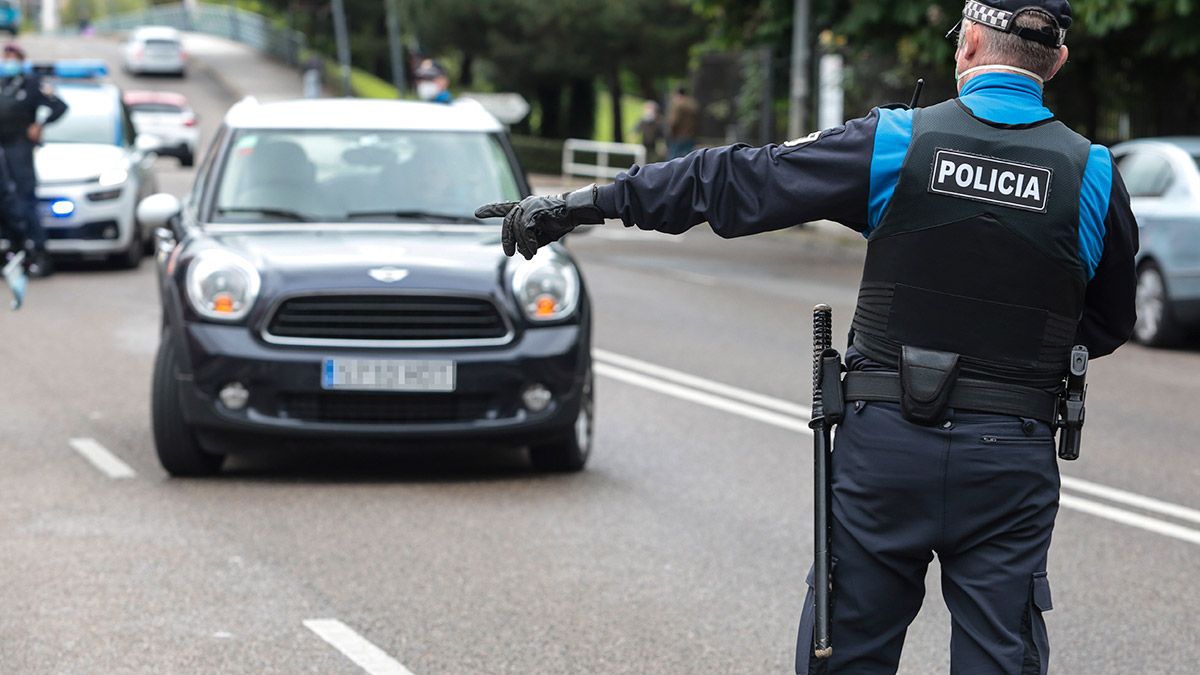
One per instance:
[(243, 71)]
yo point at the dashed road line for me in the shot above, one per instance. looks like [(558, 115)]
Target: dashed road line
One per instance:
[(101, 458), (794, 417), (355, 647)]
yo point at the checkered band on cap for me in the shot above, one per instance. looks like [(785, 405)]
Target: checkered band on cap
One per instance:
[(981, 13)]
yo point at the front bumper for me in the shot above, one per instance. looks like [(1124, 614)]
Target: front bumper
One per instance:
[(287, 403), (90, 229)]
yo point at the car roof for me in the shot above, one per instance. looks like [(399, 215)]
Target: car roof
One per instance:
[(137, 96), (156, 32), (1189, 144), (354, 113)]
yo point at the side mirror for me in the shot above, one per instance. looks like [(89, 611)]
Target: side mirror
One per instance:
[(158, 210), (147, 143)]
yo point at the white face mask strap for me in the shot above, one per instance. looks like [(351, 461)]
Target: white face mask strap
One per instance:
[(1012, 69)]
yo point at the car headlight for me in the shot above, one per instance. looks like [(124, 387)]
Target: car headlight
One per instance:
[(222, 285), (113, 176), (547, 287)]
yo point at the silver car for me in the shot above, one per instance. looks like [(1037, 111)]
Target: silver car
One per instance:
[(1163, 178)]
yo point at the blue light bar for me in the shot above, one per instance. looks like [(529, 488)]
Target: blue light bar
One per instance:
[(62, 208), (70, 69)]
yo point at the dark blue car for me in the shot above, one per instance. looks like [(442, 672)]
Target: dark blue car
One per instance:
[(326, 285)]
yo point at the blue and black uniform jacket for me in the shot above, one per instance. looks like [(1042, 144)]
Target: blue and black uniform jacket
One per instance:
[(34, 97), (848, 174)]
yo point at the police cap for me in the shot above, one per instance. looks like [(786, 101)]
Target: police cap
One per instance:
[(1001, 15)]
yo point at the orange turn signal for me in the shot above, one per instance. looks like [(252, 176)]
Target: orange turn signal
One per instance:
[(546, 305), (223, 303)]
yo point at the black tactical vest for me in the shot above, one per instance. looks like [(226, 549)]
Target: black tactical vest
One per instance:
[(978, 251)]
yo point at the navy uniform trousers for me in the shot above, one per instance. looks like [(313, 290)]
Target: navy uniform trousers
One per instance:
[(980, 491)]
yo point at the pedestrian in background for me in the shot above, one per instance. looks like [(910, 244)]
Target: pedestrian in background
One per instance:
[(433, 84), (683, 121), (312, 77), (649, 129), (997, 238), (22, 95)]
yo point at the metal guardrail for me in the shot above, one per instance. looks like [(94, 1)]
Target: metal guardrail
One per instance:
[(239, 25), (603, 151)]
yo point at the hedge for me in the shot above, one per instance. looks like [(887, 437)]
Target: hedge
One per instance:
[(539, 155)]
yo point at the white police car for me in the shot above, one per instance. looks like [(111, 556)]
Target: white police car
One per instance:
[(91, 172)]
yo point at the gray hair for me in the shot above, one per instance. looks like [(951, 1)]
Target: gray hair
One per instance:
[(1000, 48)]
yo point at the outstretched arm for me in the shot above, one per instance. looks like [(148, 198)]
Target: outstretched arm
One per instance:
[(741, 190)]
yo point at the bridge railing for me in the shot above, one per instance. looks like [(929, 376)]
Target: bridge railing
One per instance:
[(253, 30)]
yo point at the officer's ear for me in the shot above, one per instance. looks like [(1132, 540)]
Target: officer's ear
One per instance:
[(1062, 58), (970, 41)]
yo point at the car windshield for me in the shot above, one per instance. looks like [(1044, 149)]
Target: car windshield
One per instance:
[(92, 117), (358, 176)]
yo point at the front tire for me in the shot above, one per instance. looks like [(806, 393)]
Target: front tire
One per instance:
[(1156, 325), (570, 453), (178, 450), (132, 257), (187, 157)]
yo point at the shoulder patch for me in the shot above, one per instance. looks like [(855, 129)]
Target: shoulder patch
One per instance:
[(987, 179)]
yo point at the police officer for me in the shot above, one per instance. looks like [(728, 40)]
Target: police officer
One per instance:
[(22, 95), (997, 239), (433, 84)]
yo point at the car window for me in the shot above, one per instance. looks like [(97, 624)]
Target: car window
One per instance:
[(93, 116), (1146, 173), (204, 173), (356, 175)]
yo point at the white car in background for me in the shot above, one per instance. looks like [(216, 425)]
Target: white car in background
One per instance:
[(155, 50), (167, 117), (92, 172)]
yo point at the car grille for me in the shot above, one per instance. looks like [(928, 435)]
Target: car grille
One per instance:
[(381, 408), (92, 230), (330, 318)]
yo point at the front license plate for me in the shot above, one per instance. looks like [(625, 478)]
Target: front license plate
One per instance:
[(387, 375)]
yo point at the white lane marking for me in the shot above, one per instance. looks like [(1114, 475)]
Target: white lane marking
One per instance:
[(678, 383), (101, 458), (356, 647), (687, 380), (1131, 499), (1130, 518), (703, 398)]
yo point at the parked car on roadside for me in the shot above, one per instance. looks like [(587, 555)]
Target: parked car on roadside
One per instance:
[(154, 50), (326, 284), (1163, 179), (166, 117), (92, 171), (10, 16)]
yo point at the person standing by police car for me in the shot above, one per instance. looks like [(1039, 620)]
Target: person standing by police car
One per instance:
[(997, 239), (22, 95)]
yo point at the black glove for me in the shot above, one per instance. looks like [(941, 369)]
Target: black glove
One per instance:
[(536, 221)]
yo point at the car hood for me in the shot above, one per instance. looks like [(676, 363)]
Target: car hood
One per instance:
[(75, 162), (373, 258)]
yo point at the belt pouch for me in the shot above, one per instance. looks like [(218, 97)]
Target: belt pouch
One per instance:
[(927, 377)]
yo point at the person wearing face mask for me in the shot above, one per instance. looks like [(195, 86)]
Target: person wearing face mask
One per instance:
[(997, 239), (22, 95), (433, 84)]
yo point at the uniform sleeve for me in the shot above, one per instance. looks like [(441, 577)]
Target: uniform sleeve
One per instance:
[(46, 97), (741, 190), (1109, 313)]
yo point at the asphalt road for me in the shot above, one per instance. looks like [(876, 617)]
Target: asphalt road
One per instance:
[(681, 549)]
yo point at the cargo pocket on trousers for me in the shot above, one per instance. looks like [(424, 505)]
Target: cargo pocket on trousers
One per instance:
[(1033, 628)]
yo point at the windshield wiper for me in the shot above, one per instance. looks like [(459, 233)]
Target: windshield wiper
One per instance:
[(415, 214), (267, 211)]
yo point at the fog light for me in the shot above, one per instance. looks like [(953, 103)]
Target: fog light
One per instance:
[(109, 232), (536, 397), (62, 208), (234, 396)]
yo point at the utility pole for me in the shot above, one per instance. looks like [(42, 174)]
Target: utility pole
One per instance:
[(798, 100), (342, 37), (395, 49)]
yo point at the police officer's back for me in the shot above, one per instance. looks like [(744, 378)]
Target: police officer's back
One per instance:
[(997, 239), (22, 95)]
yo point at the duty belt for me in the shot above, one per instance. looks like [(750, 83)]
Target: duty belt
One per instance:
[(975, 395)]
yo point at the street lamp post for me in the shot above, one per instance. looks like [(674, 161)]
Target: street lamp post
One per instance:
[(798, 101), (394, 46), (342, 37)]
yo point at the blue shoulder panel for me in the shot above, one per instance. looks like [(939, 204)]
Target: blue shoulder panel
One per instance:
[(892, 138), (1093, 207)]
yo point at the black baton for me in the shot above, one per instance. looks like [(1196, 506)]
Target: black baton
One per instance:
[(826, 381)]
